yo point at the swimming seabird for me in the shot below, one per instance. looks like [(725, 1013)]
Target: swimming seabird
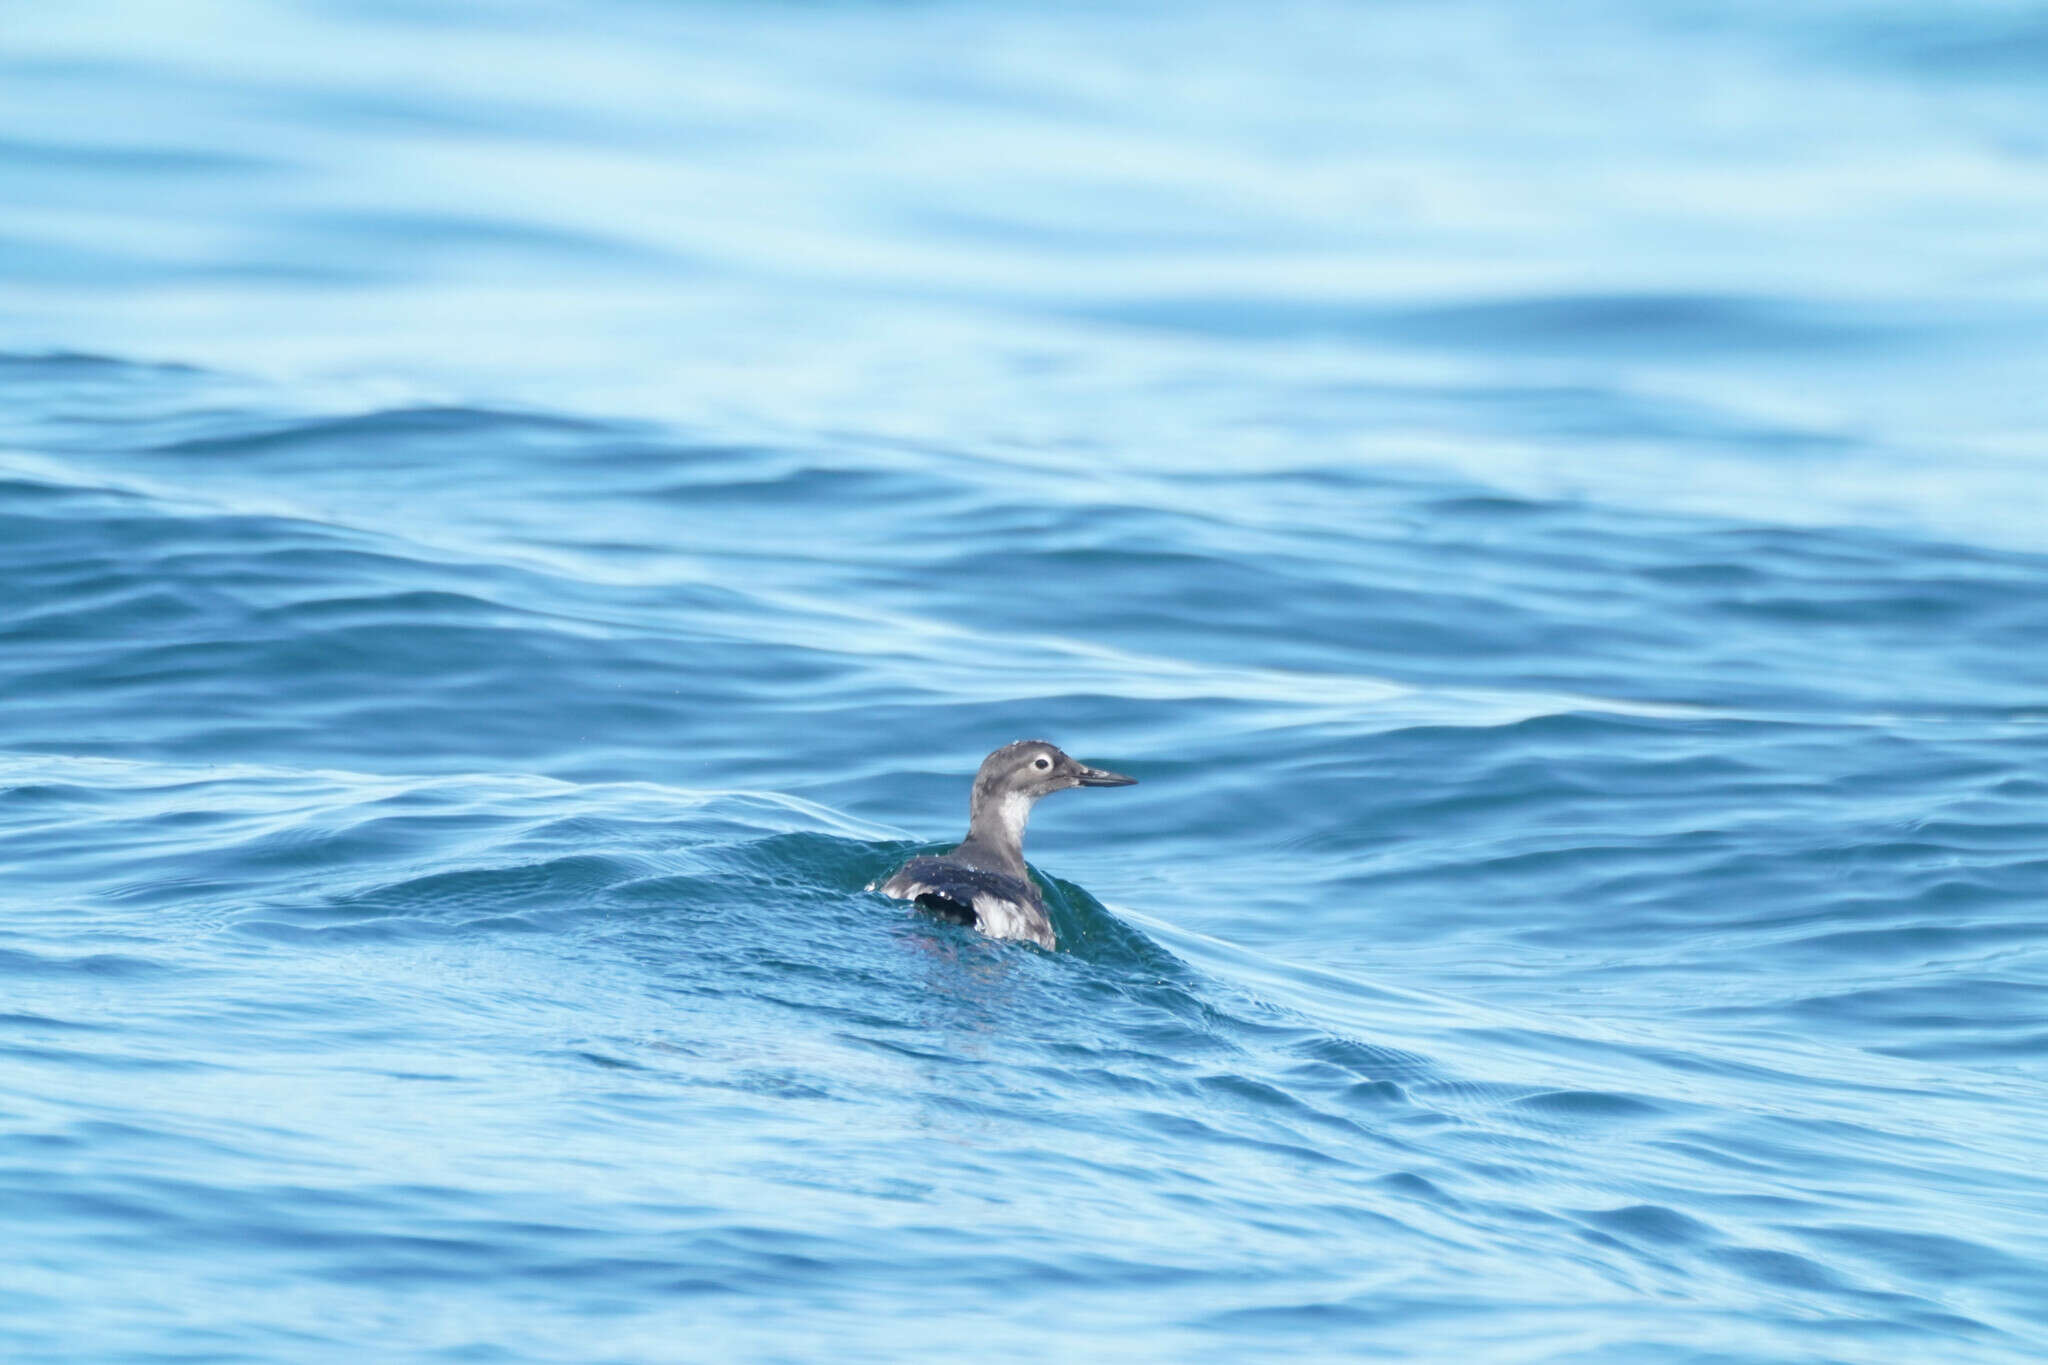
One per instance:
[(984, 882)]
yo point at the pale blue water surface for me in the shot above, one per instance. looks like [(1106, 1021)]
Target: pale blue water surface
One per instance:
[(512, 515)]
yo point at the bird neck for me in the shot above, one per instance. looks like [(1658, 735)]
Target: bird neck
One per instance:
[(996, 826)]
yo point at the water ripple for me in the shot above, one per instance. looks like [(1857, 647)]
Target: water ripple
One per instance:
[(510, 522)]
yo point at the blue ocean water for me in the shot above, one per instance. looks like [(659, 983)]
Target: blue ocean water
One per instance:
[(512, 516)]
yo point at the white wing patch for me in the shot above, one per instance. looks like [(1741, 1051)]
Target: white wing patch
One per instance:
[(1001, 917), (997, 914)]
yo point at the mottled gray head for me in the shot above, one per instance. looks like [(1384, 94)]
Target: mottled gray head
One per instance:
[(1010, 781), (1032, 768)]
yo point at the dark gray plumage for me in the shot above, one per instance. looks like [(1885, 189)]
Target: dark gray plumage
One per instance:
[(983, 881)]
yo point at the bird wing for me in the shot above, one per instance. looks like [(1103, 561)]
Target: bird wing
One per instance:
[(1001, 906)]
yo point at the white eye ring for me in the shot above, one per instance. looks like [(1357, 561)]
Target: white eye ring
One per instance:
[(1041, 763)]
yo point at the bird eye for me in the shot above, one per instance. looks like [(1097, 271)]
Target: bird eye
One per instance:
[(1041, 763)]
